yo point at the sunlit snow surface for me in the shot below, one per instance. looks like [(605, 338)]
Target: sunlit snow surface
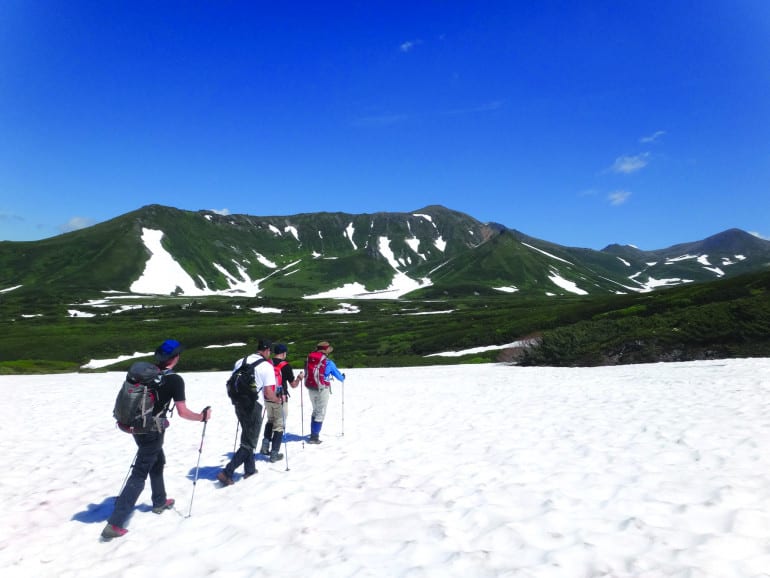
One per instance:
[(642, 471)]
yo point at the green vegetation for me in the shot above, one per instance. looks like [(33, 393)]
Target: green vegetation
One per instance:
[(723, 318), (729, 318)]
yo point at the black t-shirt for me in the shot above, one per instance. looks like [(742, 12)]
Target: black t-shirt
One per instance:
[(171, 388), (287, 375)]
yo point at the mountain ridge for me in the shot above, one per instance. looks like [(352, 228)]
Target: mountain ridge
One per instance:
[(430, 252)]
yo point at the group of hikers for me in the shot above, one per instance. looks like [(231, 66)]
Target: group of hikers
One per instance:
[(269, 378)]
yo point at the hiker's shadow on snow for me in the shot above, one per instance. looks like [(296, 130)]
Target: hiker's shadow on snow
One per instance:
[(205, 473), (96, 512)]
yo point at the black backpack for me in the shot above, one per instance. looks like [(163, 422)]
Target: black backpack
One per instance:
[(241, 384), (136, 399)]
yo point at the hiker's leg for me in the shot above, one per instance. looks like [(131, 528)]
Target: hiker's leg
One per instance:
[(322, 401), (157, 484), (267, 436), (150, 445), (252, 424)]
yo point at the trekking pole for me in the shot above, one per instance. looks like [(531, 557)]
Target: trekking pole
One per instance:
[(302, 409), (128, 473), (343, 407), (235, 441), (283, 437), (198, 465)]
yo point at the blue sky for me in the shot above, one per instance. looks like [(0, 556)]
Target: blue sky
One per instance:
[(583, 123)]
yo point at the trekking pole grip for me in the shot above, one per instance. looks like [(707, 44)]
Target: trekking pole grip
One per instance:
[(204, 413)]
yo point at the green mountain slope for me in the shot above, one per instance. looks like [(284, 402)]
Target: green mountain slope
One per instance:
[(433, 252)]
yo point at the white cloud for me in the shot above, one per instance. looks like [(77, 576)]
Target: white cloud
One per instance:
[(408, 45), (618, 197), (653, 137), (223, 212), (381, 120), (630, 164), (76, 223), (759, 235)]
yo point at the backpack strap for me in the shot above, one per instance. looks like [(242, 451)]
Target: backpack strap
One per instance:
[(253, 366)]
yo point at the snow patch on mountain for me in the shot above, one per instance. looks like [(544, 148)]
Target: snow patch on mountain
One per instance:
[(293, 230), (653, 283), (565, 284), (472, 350), (399, 286), (414, 244), (546, 253), (344, 308), (164, 276), (266, 310), (349, 230), (265, 261)]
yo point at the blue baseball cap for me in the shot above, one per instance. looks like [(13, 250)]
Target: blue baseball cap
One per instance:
[(167, 350), (280, 348)]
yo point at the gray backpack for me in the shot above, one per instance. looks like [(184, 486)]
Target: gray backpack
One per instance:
[(136, 399)]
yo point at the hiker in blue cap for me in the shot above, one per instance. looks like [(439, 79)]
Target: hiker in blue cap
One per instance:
[(150, 458)]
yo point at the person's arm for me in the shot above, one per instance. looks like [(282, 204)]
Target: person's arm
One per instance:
[(186, 413), (267, 378), (300, 377), (331, 369)]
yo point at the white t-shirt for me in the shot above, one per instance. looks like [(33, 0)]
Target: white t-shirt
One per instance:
[(264, 374)]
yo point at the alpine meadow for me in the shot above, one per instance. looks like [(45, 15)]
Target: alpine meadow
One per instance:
[(431, 286)]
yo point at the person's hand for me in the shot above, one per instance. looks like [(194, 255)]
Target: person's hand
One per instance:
[(206, 414)]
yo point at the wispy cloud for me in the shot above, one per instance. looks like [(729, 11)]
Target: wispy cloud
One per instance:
[(653, 137), (492, 105), (408, 45), (630, 164), (223, 212), (760, 236), (380, 120), (11, 217), (618, 198), (76, 223)]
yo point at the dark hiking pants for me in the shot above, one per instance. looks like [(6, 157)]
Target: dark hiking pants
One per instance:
[(150, 461), (250, 418)]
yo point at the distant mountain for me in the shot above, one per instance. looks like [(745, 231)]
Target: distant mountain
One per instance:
[(431, 252)]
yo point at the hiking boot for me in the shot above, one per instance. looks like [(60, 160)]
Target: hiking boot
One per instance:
[(265, 450), (110, 531), (167, 506), (314, 440), (276, 457), (225, 479)]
